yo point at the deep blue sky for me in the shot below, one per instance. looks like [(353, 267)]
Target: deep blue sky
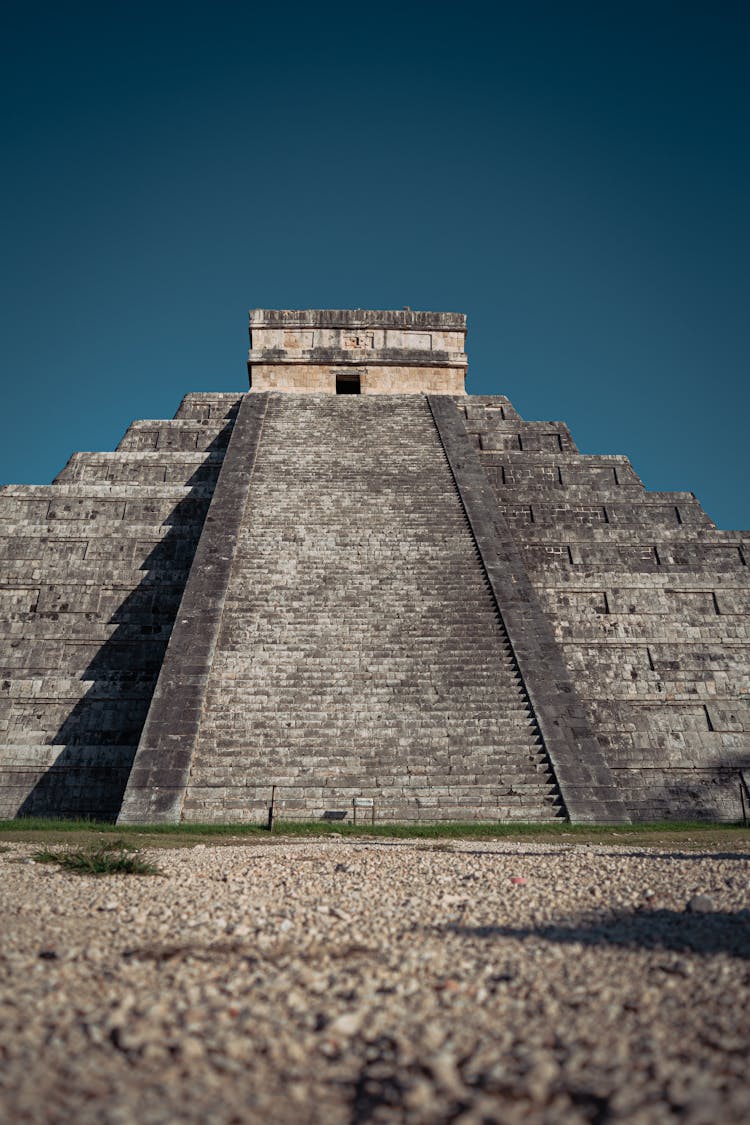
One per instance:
[(574, 176)]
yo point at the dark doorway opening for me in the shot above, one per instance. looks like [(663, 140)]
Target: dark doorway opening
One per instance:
[(348, 385)]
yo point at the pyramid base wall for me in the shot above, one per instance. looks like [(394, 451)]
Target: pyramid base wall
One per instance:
[(626, 616)]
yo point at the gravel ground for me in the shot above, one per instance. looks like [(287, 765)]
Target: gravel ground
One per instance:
[(364, 981)]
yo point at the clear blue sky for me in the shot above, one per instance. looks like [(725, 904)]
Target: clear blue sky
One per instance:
[(574, 176)]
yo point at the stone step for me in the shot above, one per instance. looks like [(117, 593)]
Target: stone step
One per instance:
[(68, 689), (210, 406), (358, 615), (184, 469), (59, 780), (44, 755), (180, 435), (27, 540)]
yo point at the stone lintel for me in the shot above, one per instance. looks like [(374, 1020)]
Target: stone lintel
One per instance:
[(345, 357), (586, 783), (158, 780), (357, 318)]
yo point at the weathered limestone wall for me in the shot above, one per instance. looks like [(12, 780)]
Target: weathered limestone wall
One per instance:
[(649, 603), (393, 352), (354, 340), (161, 770), (585, 781), (377, 380), (92, 571)]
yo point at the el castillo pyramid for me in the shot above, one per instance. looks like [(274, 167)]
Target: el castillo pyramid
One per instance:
[(362, 587)]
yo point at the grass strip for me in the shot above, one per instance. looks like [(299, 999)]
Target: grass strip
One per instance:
[(450, 830)]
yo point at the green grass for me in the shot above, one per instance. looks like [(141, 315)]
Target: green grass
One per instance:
[(55, 824), (183, 835), (113, 857), (484, 831)]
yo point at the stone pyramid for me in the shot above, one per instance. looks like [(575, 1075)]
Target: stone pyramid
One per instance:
[(361, 590)]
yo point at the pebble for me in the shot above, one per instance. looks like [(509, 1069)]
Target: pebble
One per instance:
[(389, 981), (348, 1024), (700, 904)]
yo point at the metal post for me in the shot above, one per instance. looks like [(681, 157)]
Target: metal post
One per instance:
[(364, 803), (742, 799)]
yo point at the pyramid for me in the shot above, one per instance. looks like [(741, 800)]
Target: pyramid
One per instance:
[(356, 590)]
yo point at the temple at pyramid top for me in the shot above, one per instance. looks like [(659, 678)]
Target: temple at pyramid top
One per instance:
[(357, 351)]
